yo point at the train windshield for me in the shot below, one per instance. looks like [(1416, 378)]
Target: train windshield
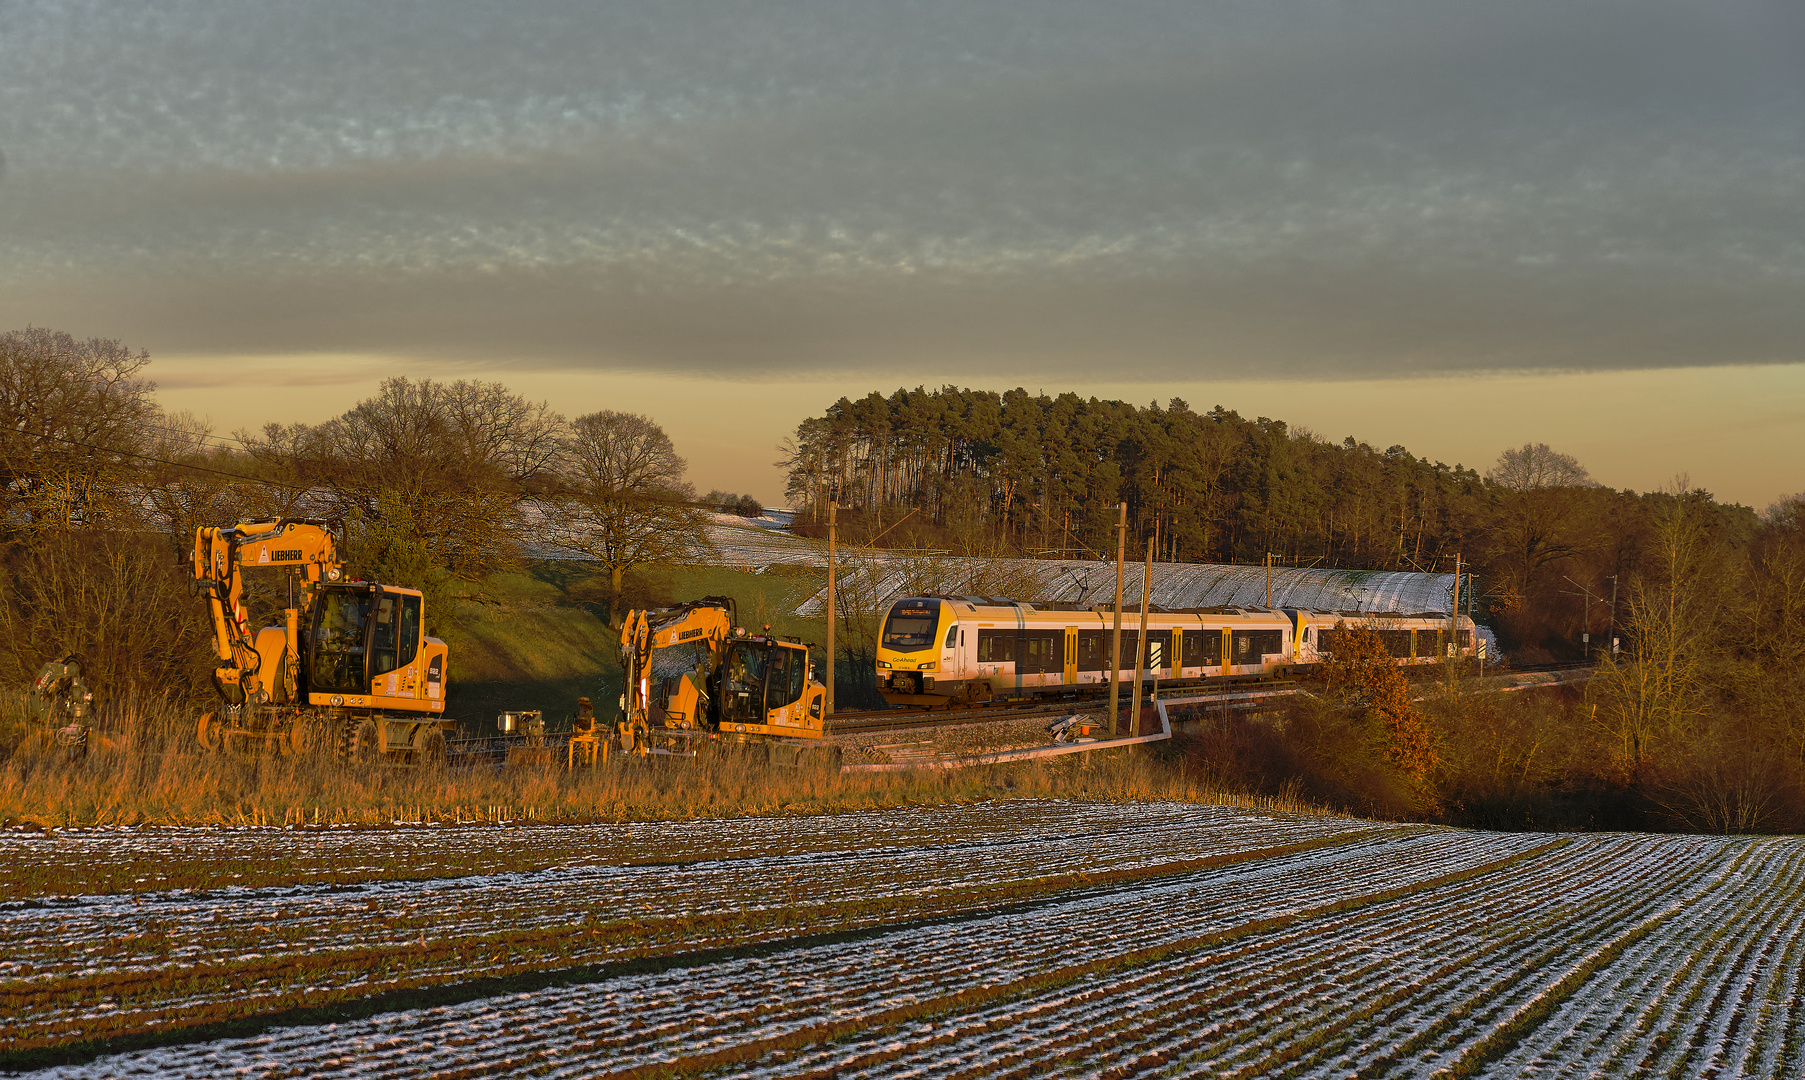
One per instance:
[(908, 629)]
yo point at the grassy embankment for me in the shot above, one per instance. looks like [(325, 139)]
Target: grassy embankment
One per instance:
[(536, 641)]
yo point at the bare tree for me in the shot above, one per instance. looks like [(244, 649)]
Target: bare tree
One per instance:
[(1538, 511), (1654, 695), (625, 499), (1536, 466), (70, 411), (433, 472)]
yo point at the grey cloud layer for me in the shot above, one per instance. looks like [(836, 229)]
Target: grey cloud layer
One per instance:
[(1350, 187)]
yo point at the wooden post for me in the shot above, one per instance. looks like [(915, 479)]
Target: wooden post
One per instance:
[(827, 709), (1140, 646), (1115, 650)]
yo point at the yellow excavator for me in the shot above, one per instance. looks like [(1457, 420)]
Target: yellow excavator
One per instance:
[(693, 676), (349, 671)]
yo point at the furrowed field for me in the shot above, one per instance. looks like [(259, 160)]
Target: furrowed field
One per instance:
[(1025, 937)]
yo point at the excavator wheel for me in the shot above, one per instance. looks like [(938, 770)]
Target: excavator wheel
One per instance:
[(210, 733), (307, 737), (431, 751), (360, 743)]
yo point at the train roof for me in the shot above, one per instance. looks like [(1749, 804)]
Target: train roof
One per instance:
[(1176, 586), (1154, 609)]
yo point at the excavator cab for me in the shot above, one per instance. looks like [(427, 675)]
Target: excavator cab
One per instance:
[(366, 638), (765, 683)]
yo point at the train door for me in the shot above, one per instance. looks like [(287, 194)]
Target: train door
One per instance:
[(1069, 670), (955, 640), (1228, 649)]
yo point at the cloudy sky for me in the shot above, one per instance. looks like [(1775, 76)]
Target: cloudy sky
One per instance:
[(1452, 224)]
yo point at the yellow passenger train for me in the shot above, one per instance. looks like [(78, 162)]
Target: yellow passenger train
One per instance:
[(940, 649)]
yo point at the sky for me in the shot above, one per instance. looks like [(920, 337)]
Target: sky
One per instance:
[(1455, 225)]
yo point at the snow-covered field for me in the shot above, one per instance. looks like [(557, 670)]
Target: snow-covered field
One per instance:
[(1015, 938)]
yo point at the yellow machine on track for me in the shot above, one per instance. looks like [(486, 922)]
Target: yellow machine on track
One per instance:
[(349, 671), (693, 676)]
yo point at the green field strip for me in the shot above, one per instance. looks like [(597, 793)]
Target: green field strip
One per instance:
[(1719, 942), (80, 863), (1220, 1033), (507, 956), (1189, 1050), (1486, 1005), (1130, 986), (881, 1024)]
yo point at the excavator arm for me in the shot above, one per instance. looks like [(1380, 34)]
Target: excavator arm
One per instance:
[(306, 547), (708, 621)]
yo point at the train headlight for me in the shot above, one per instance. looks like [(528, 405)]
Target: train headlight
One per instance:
[(929, 666), (883, 663)]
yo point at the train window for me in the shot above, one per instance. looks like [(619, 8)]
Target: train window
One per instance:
[(908, 629), (1325, 642), (952, 636), (1251, 646), (1093, 650), (996, 646), (1159, 649), (1039, 652), (1195, 654), (1397, 642)]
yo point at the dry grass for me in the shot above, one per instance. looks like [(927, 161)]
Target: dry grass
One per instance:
[(147, 770)]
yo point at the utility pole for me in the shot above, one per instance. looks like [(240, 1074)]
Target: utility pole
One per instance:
[(832, 660), (1585, 635), (1453, 625), (1269, 580), (1140, 645), (1115, 649), (1612, 628)]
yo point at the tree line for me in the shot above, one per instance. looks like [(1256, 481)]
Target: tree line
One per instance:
[(986, 473)]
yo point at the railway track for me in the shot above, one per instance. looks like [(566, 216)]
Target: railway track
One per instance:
[(1235, 696)]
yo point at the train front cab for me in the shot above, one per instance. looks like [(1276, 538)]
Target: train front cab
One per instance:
[(918, 636)]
